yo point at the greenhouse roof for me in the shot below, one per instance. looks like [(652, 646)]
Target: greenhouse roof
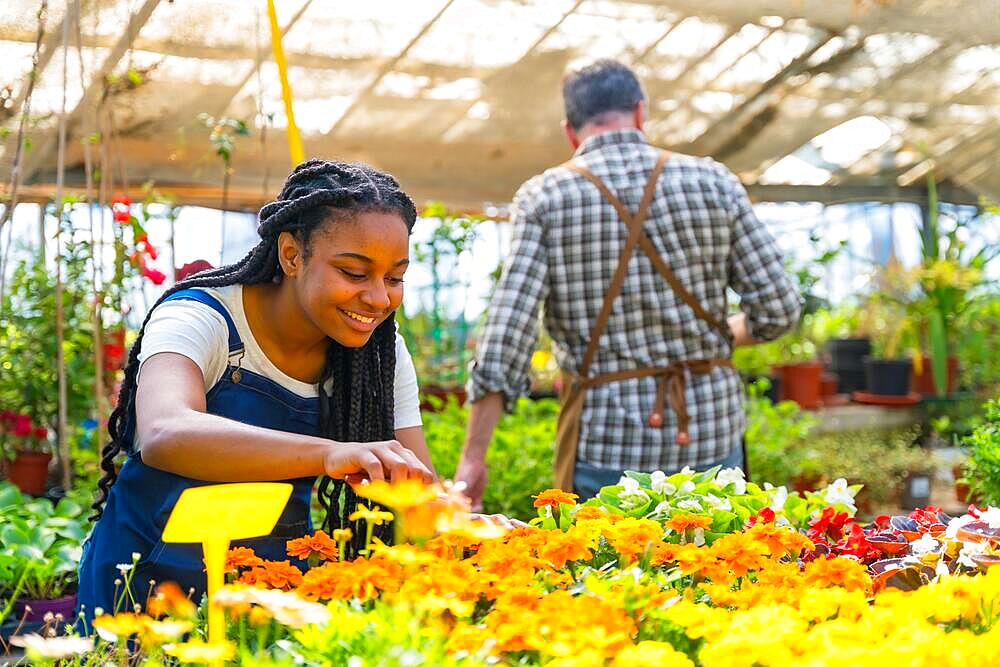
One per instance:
[(460, 98)]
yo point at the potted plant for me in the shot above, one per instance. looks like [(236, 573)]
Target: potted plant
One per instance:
[(40, 549), (981, 472), (774, 436), (889, 317), (951, 274), (26, 447)]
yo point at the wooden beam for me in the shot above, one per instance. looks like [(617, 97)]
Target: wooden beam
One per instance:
[(387, 67), (91, 96), (524, 56), (880, 88), (758, 99), (845, 194)]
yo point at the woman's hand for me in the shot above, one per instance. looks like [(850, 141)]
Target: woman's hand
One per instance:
[(387, 459)]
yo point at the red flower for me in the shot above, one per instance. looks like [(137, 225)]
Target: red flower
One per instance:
[(22, 425), (766, 515), (121, 199), (155, 276), (41, 433), (828, 524), (7, 418), (122, 215), (113, 355)]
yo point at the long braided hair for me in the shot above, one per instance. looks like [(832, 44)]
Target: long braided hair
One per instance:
[(359, 408)]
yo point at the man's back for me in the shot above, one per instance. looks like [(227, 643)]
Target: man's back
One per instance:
[(567, 242)]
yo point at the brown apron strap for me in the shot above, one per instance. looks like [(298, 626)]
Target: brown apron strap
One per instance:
[(682, 293), (634, 223), (670, 386)]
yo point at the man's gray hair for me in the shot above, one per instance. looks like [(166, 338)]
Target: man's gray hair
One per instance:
[(603, 87)]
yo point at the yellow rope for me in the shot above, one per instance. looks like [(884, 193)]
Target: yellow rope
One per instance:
[(294, 140)]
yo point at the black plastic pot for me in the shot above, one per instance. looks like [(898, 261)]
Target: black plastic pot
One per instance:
[(888, 377), (847, 360)]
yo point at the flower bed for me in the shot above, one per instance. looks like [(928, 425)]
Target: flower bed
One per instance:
[(693, 568)]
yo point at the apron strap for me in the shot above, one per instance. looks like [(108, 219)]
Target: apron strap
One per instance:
[(634, 224)]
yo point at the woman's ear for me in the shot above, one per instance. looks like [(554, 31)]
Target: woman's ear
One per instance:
[(290, 255)]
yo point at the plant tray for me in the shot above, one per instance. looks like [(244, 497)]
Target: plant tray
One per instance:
[(888, 401)]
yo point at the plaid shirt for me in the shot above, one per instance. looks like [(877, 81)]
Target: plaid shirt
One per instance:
[(566, 241)]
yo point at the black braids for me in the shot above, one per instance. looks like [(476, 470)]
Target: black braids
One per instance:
[(124, 412), (360, 405)]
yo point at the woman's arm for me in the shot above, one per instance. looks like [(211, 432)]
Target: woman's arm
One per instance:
[(178, 436), (413, 439)]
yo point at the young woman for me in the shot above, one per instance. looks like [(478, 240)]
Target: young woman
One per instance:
[(284, 366)]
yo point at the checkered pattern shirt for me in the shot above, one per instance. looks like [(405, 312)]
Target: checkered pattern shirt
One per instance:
[(566, 241)]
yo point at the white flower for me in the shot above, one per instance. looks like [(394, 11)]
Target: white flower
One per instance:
[(136, 556), (941, 569), (732, 476), (124, 568), (287, 608), (699, 537), (687, 470), (958, 522), (661, 508), (970, 549), (991, 516), (686, 487), (719, 504), (778, 499), (925, 545), (839, 493), (631, 495), (53, 648), (658, 482), (690, 504)]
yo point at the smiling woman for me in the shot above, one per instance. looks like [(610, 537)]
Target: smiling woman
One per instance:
[(284, 366)]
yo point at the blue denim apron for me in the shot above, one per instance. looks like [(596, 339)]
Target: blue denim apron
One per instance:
[(142, 498)]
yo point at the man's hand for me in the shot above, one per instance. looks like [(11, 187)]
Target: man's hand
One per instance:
[(472, 471), (483, 417), (738, 328)]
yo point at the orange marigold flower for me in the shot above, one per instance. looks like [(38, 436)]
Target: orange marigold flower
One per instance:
[(554, 498), (681, 522), (843, 572), (343, 580), (562, 547), (633, 537), (741, 552), (780, 540), (273, 574), (588, 513), (319, 544), (169, 599), (242, 557)]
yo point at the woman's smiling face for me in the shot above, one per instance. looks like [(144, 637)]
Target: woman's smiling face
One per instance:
[(352, 277)]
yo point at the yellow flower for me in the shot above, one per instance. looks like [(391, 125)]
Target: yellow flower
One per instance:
[(399, 495), (198, 651), (158, 632), (660, 654), (341, 535), (373, 516)]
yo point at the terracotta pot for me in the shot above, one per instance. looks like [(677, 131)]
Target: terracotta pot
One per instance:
[(65, 605), (924, 382), (801, 383), (828, 384), (29, 471)]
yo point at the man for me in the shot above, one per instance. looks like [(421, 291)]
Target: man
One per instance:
[(631, 249)]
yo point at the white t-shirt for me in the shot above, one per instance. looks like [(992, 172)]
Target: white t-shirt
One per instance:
[(199, 333)]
